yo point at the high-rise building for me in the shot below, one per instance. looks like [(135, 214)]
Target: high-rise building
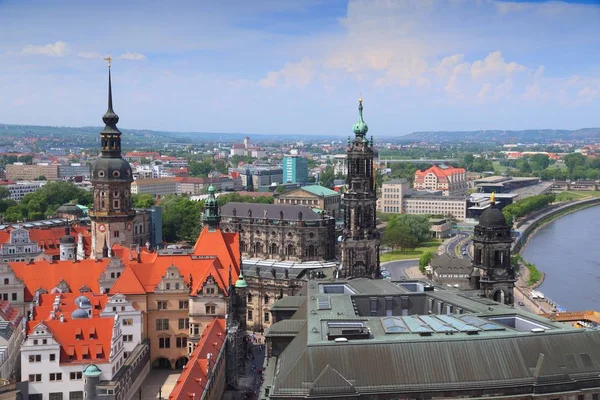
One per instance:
[(113, 218), (295, 169), (360, 239)]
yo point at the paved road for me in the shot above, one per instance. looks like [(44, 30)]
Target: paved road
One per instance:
[(397, 268), (451, 247)]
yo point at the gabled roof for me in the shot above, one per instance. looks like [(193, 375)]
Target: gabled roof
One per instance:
[(225, 246), (46, 275), (193, 379), (440, 172), (81, 340), (128, 283)]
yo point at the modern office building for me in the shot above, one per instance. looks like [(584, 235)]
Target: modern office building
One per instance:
[(295, 169)]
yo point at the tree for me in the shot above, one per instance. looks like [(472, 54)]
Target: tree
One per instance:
[(13, 214), (181, 218), (280, 189), (574, 160), (539, 162), (144, 200), (327, 177), (4, 192), (399, 236), (468, 160), (425, 260), (25, 159), (41, 178)]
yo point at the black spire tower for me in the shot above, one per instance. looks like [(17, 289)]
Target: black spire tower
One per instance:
[(110, 135), (360, 245)]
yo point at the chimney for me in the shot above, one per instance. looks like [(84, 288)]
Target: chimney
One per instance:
[(52, 314), (62, 317)]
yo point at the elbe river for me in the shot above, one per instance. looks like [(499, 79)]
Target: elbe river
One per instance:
[(567, 251)]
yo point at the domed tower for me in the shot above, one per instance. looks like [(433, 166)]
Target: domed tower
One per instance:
[(211, 217), (491, 247), (112, 215), (67, 246), (360, 240)]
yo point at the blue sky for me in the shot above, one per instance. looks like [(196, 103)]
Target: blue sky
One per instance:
[(279, 67)]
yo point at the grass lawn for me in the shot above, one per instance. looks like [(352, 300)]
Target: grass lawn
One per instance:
[(500, 168), (412, 253), (584, 194)]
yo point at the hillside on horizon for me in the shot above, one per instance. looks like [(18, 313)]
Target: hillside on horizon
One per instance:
[(505, 136)]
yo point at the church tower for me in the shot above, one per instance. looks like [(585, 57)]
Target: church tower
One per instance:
[(491, 247), (211, 216), (112, 214), (360, 241)]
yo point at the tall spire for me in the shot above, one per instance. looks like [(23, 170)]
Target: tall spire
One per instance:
[(110, 135), (360, 128)]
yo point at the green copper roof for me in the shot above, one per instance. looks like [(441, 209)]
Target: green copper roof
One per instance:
[(211, 209), (241, 282), (320, 190), (92, 371), (360, 128)]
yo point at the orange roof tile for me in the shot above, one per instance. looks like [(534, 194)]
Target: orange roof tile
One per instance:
[(440, 172), (193, 378), (46, 275), (225, 246), (67, 304), (128, 283), (75, 340)]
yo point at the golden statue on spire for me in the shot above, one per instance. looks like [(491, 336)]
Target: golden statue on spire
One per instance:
[(360, 98), (493, 198), (109, 60)]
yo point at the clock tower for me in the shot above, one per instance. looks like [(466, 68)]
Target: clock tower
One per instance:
[(112, 214)]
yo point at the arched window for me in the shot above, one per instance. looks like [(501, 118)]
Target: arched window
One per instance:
[(290, 250), (311, 252), (266, 299), (273, 250), (258, 247)]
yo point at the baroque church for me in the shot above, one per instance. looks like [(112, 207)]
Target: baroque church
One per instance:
[(114, 221), (360, 239)]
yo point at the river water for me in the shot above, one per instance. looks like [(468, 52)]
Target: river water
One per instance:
[(567, 251)]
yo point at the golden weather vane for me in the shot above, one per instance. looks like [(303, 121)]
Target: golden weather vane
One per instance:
[(109, 60), (360, 97)]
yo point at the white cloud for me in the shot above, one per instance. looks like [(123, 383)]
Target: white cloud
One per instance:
[(586, 95), (494, 65), (485, 89), (298, 74), (132, 56), (532, 92), (57, 49), (88, 54)]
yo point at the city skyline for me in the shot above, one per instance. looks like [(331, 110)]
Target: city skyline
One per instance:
[(269, 66)]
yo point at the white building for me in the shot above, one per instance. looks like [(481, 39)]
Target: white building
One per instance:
[(65, 337), (131, 321), (19, 189), (11, 336), (340, 166), (19, 247)]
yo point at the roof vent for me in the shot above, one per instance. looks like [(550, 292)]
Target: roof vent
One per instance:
[(538, 330), (341, 340)]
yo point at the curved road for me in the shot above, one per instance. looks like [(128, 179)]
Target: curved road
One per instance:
[(397, 268)]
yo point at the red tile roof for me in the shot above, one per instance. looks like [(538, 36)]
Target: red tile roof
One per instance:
[(47, 275), (67, 304), (212, 255), (49, 238), (193, 379), (81, 340), (441, 172)]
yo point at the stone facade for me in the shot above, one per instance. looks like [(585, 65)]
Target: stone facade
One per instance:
[(20, 247), (493, 271), (280, 232), (360, 244)]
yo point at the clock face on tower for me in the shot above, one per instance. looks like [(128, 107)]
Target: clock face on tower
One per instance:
[(102, 228)]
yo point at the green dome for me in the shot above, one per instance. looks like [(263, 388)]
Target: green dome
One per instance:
[(92, 371), (211, 189), (360, 127), (241, 282)]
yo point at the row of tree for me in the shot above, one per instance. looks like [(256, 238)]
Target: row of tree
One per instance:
[(44, 202), (526, 206), (181, 217)]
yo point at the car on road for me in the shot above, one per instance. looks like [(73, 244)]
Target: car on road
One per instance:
[(521, 303)]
